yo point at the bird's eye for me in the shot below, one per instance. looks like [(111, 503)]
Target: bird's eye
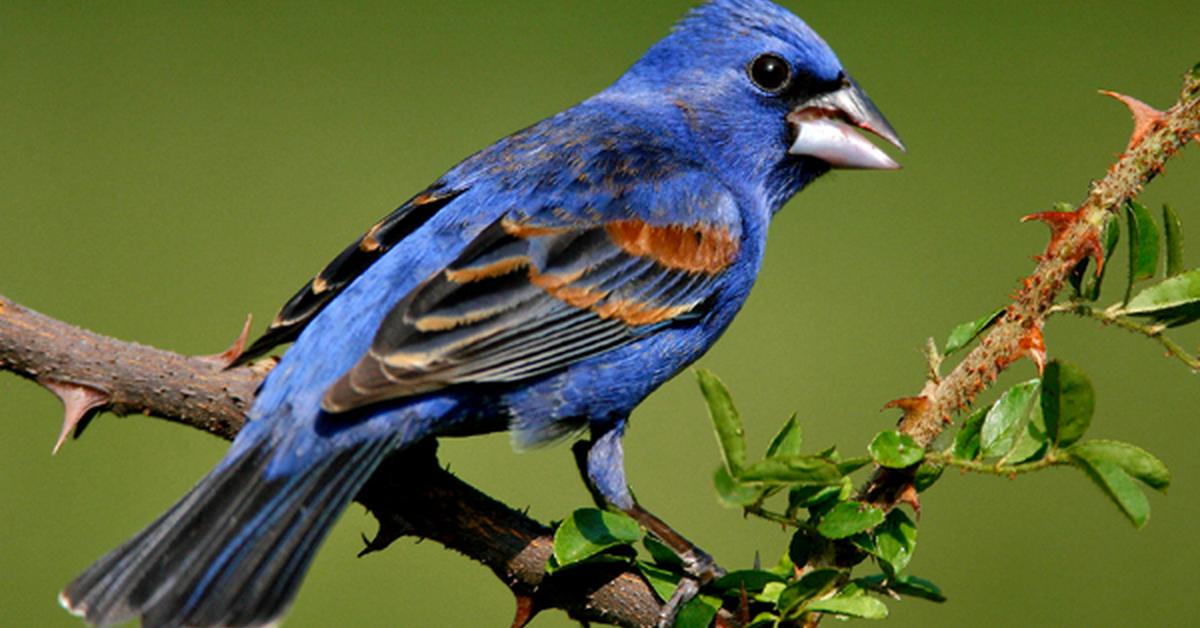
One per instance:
[(770, 73)]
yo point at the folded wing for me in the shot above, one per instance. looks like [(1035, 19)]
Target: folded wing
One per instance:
[(525, 299)]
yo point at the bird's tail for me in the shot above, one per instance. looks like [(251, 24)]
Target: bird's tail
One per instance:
[(232, 552)]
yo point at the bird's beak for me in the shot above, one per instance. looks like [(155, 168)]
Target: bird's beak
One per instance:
[(824, 128)]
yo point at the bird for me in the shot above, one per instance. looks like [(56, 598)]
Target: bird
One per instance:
[(545, 286)]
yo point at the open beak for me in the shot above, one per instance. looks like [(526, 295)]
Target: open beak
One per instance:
[(825, 129)]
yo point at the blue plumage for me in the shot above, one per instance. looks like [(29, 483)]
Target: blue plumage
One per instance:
[(545, 285)]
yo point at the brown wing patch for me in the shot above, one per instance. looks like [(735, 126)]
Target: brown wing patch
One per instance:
[(697, 248)]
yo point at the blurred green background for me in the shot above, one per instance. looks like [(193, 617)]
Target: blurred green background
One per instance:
[(166, 168)]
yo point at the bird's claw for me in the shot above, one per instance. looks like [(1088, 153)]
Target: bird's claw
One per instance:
[(688, 588), (701, 569)]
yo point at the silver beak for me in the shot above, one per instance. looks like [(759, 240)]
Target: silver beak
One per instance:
[(826, 128)]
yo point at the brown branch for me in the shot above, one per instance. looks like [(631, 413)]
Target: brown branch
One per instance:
[(124, 377), (1157, 136)]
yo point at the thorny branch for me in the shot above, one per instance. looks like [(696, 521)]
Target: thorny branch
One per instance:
[(1156, 137), (93, 373)]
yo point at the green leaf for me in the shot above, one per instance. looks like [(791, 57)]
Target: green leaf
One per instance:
[(895, 541), (850, 465), (1173, 229), (895, 450), (1175, 301), (963, 334), (904, 585), (726, 421), (1132, 459), (1032, 443), (814, 497), (795, 469), (1143, 243), (1119, 487), (861, 605), (849, 518), (663, 581), (788, 441), (764, 620), (966, 442), (1112, 235), (734, 494), (1067, 402), (812, 584), (698, 612), (660, 553), (589, 531), (803, 546), (927, 475), (771, 593), (1005, 418), (752, 579)]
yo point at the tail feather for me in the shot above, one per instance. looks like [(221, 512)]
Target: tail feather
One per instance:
[(232, 552)]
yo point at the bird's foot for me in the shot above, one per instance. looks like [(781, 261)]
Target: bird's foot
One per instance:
[(701, 569)]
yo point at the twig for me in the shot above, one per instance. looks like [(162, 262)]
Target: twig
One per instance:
[(1154, 331)]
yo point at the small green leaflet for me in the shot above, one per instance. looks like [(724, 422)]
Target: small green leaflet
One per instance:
[(1006, 418), (1175, 301), (904, 585), (963, 334), (1132, 459), (966, 442), (1119, 487), (726, 421), (895, 450), (1067, 402), (849, 518), (895, 541), (1173, 229), (788, 441), (1143, 244), (588, 532), (851, 602)]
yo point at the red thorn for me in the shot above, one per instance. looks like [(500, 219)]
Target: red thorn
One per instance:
[(78, 402), (743, 609), (1145, 117), (908, 405), (1033, 345), (908, 495), (526, 610), (226, 357), (1059, 223)]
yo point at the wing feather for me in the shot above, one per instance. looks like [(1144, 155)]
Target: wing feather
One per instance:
[(526, 299)]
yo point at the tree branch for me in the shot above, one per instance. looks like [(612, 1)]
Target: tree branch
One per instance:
[(1076, 235), (125, 377)]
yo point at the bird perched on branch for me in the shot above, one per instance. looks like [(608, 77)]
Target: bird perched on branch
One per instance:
[(545, 285)]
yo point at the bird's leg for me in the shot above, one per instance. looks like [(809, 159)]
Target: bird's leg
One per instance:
[(601, 462)]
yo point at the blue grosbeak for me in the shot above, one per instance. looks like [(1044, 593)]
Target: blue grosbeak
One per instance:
[(545, 285)]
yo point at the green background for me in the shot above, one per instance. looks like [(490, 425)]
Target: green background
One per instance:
[(167, 168)]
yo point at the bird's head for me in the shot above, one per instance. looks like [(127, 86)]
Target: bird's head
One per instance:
[(763, 94)]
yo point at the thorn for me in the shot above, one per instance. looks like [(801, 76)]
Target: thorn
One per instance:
[(1033, 345), (743, 605), (1060, 223), (757, 561), (389, 531), (908, 495), (228, 356), (78, 403), (1145, 117), (908, 405), (526, 610)]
